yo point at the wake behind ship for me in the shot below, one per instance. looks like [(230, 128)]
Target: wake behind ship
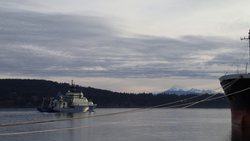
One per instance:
[(237, 89)]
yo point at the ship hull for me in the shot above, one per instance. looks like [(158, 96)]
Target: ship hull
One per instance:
[(238, 97), (73, 109)]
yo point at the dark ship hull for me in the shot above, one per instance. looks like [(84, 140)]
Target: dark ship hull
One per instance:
[(236, 87)]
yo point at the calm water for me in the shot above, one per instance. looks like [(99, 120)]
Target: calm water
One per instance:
[(181, 125)]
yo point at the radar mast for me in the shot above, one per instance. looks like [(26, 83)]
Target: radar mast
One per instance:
[(247, 38)]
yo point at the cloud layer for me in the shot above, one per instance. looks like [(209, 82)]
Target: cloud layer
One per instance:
[(44, 45)]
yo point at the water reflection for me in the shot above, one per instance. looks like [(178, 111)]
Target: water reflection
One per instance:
[(65, 115), (240, 134)]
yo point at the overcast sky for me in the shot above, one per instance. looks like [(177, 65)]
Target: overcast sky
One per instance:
[(125, 46)]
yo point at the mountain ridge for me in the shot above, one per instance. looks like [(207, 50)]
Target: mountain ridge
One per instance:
[(180, 90)]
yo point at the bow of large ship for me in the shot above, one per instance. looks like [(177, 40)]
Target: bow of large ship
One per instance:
[(237, 89)]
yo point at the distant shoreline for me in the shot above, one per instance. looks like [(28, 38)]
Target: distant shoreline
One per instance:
[(28, 93)]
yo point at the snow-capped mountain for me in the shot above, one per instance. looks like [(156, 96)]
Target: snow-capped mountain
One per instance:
[(179, 90)]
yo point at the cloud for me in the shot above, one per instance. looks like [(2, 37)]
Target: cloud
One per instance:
[(55, 45)]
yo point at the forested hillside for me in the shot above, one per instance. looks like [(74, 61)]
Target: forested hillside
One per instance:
[(29, 93)]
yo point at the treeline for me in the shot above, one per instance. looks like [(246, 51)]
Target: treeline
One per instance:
[(29, 93)]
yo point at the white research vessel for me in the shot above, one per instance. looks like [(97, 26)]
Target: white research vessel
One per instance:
[(72, 101)]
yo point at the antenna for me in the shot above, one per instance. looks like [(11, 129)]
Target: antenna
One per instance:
[(246, 69), (237, 67), (247, 38)]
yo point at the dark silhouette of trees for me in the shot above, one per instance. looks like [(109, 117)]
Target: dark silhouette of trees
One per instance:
[(30, 92)]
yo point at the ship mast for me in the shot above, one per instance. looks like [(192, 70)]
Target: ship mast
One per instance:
[(247, 38)]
